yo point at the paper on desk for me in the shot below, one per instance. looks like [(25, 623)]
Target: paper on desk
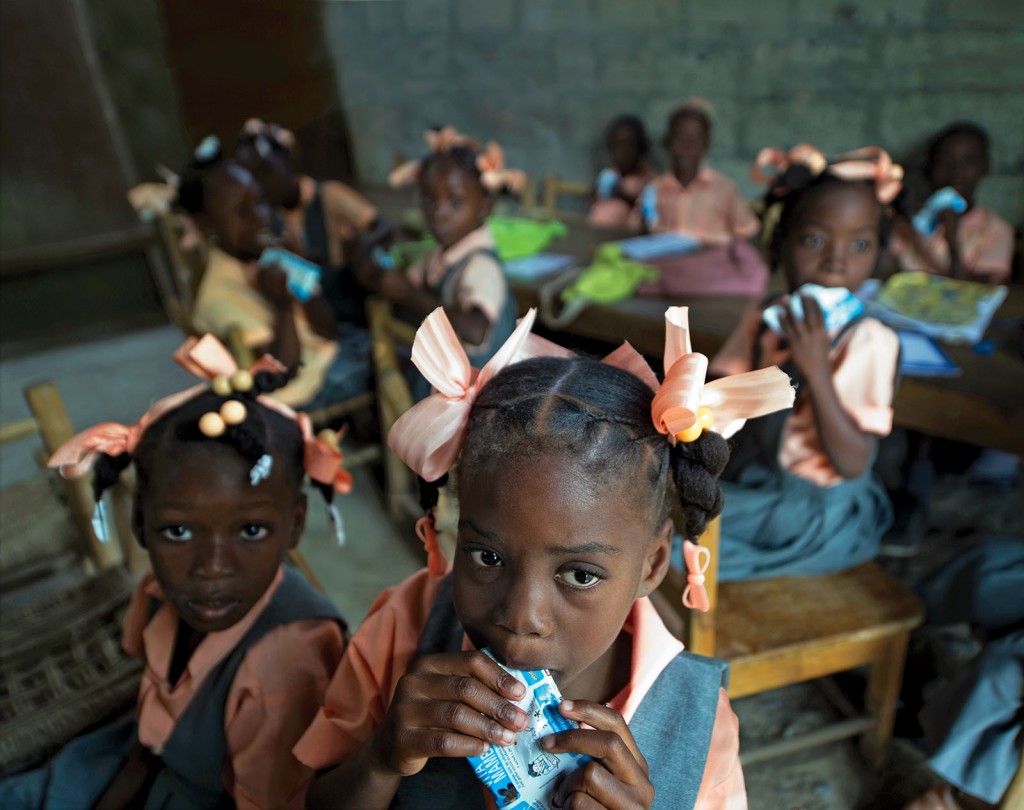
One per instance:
[(656, 245), (921, 356), (540, 265)]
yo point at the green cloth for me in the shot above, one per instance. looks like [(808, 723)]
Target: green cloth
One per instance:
[(610, 278), (516, 237)]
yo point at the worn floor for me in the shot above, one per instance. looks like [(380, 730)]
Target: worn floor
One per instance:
[(116, 378)]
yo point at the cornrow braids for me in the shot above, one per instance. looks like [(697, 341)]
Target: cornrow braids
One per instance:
[(263, 431), (600, 416), (460, 157)]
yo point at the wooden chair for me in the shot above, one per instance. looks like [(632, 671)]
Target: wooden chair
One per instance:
[(393, 399), (775, 632), (556, 188)]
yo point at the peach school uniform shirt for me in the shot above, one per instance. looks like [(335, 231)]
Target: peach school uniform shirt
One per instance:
[(278, 687), (863, 374), (384, 647), (710, 208)]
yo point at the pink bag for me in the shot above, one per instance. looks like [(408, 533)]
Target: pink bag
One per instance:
[(735, 269)]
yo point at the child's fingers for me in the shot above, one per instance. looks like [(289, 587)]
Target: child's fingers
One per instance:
[(606, 746), (438, 742), (466, 679), (603, 718), (461, 717), (813, 316), (479, 666), (593, 786)]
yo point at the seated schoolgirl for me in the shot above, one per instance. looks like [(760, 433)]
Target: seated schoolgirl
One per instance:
[(463, 272), (332, 360), (619, 186), (317, 219), (974, 244), (692, 199), (801, 497), (238, 647), (567, 468)]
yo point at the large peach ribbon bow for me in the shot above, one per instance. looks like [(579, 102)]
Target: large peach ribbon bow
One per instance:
[(428, 437), (871, 163), (685, 405)]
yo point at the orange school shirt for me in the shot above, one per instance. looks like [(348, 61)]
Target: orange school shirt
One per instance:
[(863, 374), (278, 688), (383, 650), (985, 241), (710, 208)]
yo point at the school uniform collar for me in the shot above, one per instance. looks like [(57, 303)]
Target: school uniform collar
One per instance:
[(479, 239), (160, 634), (705, 176)]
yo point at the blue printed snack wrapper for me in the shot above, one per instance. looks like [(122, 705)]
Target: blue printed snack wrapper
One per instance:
[(606, 182), (522, 775), (303, 275), (838, 305)]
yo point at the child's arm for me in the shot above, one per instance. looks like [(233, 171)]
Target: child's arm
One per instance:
[(849, 449), (449, 705), (272, 283), (133, 782), (617, 776)]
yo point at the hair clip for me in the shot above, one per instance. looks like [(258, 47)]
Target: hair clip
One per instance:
[(261, 469), (100, 522), (336, 524), (208, 149)]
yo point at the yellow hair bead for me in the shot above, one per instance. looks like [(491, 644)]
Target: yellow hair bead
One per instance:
[(232, 412), (241, 381), (328, 437), (211, 425), (705, 418), (691, 434), (221, 385)]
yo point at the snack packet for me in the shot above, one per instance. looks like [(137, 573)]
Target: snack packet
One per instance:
[(838, 305), (522, 775), (303, 275), (926, 221)]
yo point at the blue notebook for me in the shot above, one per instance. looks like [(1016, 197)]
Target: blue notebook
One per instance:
[(921, 356), (657, 245), (537, 266)]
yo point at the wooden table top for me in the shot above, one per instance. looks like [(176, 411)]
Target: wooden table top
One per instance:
[(984, 405)]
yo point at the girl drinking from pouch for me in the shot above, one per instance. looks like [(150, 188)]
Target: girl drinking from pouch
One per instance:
[(567, 470)]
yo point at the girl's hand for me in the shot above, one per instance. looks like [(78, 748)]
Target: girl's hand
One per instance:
[(809, 343), (617, 778), (449, 705), (272, 283)]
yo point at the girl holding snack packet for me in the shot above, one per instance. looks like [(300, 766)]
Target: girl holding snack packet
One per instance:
[(801, 497), (566, 472)]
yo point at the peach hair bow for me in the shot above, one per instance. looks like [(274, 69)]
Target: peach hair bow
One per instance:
[(490, 161), (259, 128), (772, 158), (685, 405), (208, 359), (697, 559), (428, 437), (871, 163)]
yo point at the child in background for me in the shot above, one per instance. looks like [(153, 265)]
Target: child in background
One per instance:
[(225, 202), (239, 649), (801, 497), (976, 244), (566, 473), (463, 273), (316, 219), (619, 186), (693, 199)]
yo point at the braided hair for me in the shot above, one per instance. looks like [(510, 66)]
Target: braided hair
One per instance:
[(263, 431), (601, 416), (207, 161), (459, 157)]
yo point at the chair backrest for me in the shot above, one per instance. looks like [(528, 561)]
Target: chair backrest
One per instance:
[(556, 188), (393, 399), (51, 422)]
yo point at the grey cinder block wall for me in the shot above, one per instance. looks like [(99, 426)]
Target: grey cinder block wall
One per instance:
[(544, 76)]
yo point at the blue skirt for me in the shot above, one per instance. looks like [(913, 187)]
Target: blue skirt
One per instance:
[(779, 524)]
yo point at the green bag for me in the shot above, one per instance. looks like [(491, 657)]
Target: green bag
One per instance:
[(610, 278), (517, 237)]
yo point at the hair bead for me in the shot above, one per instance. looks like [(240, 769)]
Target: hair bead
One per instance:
[(233, 412), (211, 425)]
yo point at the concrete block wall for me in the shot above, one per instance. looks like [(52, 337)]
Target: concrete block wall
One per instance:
[(545, 76)]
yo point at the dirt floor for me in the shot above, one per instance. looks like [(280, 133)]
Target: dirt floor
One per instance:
[(835, 777)]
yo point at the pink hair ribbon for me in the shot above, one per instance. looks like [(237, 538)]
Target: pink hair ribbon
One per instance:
[(685, 405), (697, 558), (871, 163), (428, 437), (207, 358), (490, 161), (776, 159)]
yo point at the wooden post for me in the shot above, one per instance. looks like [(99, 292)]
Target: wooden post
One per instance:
[(883, 692)]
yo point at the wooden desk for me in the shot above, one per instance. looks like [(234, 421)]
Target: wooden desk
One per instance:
[(983, 406)]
